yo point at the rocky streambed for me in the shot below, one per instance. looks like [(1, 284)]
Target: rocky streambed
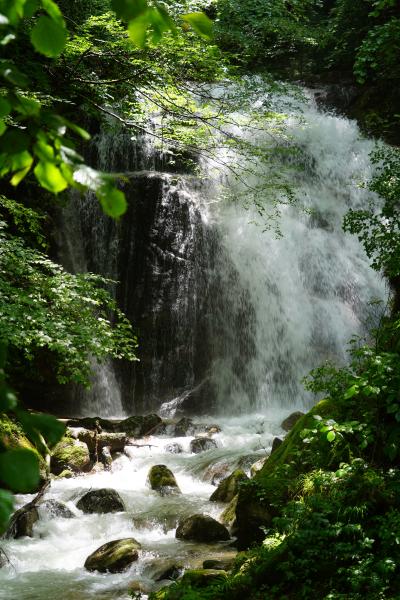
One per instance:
[(133, 505)]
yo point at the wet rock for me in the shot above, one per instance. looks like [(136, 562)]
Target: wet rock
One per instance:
[(173, 448), (202, 444), (106, 458), (72, 455), (3, 559), (290, 421), (251, 519), (216, 472), (56, 509), (105, 500), (246, 462), (229, 487), (275, 444), (66, 474), (96, 441), (200, 578), (22, 522), (162, 480), (184, 427), (218, 565), (201, 528), (257, 466), (164, 568), (113, 557), (138, 587), (229, 515), (212, 429)]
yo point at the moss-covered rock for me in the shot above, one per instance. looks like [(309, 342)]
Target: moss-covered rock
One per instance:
[(66, 474), (229, 487), (229, 515), (105, 500), (135, 426), (200, 578), (201, 528), (162, 480), (113, 557), (96, 441), (291, 420), (70, 454), (219, 565)]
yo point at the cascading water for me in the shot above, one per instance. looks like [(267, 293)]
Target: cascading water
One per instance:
[(229, 310)]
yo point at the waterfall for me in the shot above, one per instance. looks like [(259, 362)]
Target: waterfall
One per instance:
[(228, 314)]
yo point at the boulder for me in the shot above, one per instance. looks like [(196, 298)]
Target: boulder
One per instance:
[(229, 487), (252, 517), (66, 474), (105, 500), (275, 444), (135, 426), (56, 509), (200, 578), (162, 480), (72, 455), (113, 557), (201, 444), (22, 522), (3, 559), (211, 429), (136, 588), (229, 515), (219, 565), (184, 427), (173, 448), (291, 420), (201, 528)]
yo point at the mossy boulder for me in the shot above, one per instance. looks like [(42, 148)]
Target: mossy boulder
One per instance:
[(200, 578), (66, 474), (72, 455), (162, 480), (113, 557), (276, 442), (13, 437), (229, 487), (22, 522), (219, 565), (96, 441), (201, 528), (201, 444), (105, 500), (229, 515), (135, 426), (184, 427)]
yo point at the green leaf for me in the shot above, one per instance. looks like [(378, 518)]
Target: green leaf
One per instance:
[(50, 177), (30, 8), (331, 436), (53, 10), (19, 470), (200, 23), (13, 10), (13, 75), (19, 176), (129, 9), (8, 400), (351, 391), (6, 508), (137, 30), (27, 106), (85, 135), (5, 108), (14, 141), (49, 37), (112, 201)]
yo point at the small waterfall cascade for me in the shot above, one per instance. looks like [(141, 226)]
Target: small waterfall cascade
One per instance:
[(227, 312)]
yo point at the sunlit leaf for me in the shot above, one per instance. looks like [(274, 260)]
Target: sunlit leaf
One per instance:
[(6, 508), (129, 9), (50, 177), (53, 10), (331, 436), (200, 23), (137, 30), (19, 470), (49, 37), (112, 201), (351, 391)]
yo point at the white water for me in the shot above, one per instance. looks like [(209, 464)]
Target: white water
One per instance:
[(286, 305)]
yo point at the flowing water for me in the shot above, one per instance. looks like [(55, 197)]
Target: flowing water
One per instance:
[(227, 308)]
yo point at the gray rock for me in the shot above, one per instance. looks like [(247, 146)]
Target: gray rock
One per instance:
[(105, 500), (163, 568), (113, 557), (290, 421), (106, 458), (201, 444), (162, 480), (184, 427), (229, 487), (22, 522), (56, 509), (216, 472), (201, 528), (96, 441), (275, 444), (173, 448)]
